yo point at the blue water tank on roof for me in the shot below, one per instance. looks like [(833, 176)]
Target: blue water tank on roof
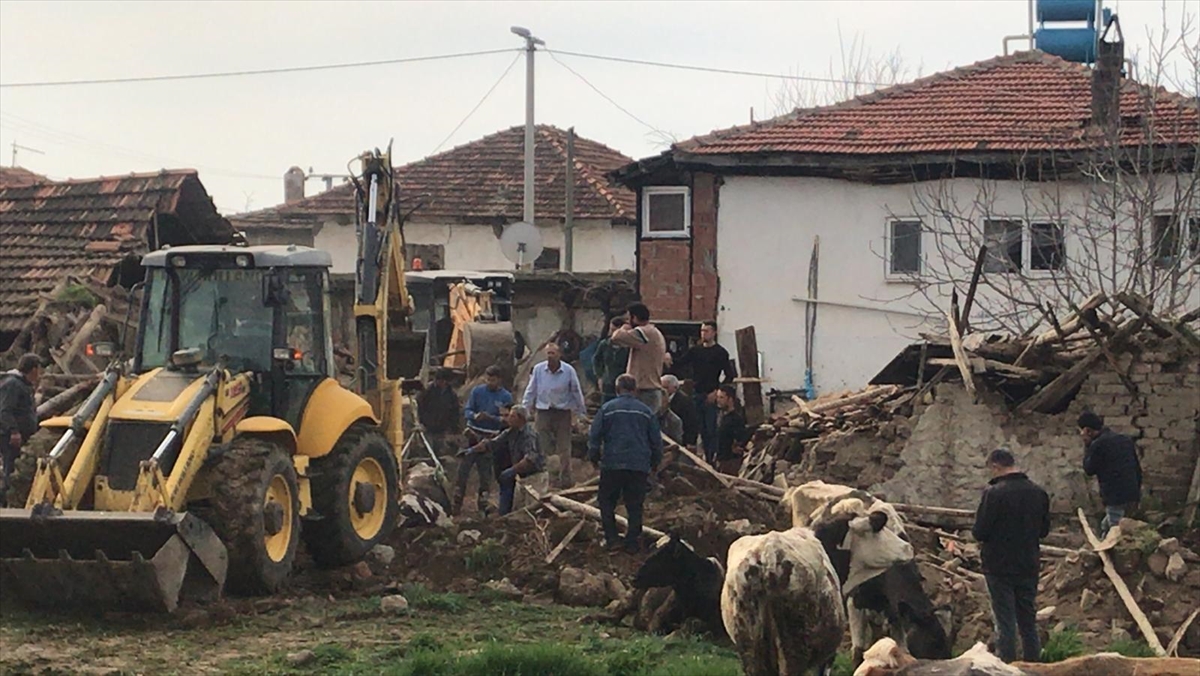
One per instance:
[(1073, 44), (1066, 10)]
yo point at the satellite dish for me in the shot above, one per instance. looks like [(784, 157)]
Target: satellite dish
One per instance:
[(521, 243)]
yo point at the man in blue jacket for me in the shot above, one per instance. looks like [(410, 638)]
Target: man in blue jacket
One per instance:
[(485, 410), (1112, 458), (626, 443)]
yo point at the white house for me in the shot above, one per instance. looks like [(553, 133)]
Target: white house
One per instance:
[(1077, 180), (458, 201)]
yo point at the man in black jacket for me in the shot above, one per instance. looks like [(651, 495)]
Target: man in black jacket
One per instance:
[(1112, 458), (1013, 516), (18, 414)]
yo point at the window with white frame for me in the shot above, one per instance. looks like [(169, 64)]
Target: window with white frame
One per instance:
[(1176, 240), (904, 248), (666, 212), (1016, 245)]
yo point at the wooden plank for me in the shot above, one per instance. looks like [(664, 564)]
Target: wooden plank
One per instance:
[(747, 349), (1173, 646), (700, 462), (960, 356), (1051, 396), (1142, 309), (593, 513), (936, 511), (992, 365), (565, 541), (1123, 591)]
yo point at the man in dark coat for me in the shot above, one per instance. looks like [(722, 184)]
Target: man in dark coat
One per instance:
[(18, 414), (684, 407), (1112, 458), (1013, 517)]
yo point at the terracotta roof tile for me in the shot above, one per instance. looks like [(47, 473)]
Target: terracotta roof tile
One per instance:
[(55, 229), (484, 180), (1027, 101), (14, 177)]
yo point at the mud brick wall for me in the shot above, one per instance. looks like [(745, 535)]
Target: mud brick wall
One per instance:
[(1163, 417)]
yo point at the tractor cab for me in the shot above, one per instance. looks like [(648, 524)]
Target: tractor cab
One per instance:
[(260, 310), (433, 311)]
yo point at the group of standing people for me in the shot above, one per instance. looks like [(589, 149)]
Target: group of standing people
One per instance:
[(1014, 516)]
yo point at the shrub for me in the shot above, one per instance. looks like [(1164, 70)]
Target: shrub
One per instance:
[(1062, 645), (1131, 648)]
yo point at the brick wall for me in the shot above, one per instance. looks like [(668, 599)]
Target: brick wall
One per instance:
[(1163, 417), (704, 247), (664, 277)]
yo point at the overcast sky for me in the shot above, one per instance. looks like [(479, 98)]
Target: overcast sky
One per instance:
[(242, 133)]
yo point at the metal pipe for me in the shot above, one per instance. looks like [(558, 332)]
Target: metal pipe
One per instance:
[(855, 306), (1030, 26), (189, 414), (531, 44)]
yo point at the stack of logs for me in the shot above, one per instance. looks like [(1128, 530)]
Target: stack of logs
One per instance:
[(77, 314)]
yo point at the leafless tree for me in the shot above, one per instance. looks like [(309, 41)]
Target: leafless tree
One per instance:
[(1121, 214), (857, 71)]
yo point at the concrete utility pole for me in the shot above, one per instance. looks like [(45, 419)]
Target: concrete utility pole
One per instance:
[(531, 44)]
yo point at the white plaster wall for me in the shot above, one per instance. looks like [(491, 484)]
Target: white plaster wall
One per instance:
[(765, 234), (599, 245)]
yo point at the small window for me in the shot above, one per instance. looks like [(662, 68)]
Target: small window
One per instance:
[(433, 256), (1194, 239), (666, 212), (1166, 240), (1046, 246), (904, 248), (1005, 245), (549, 260)]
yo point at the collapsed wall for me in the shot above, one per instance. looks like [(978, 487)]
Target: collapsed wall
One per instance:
[(933, 452)]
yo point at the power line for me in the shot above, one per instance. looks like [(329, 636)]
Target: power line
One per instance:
[(263, 71), (477, 105), (723, 71), (18, 123), (606, 97)]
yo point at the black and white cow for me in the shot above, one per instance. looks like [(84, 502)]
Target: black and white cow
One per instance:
[(781, 604), (696, 581), (865, 541)]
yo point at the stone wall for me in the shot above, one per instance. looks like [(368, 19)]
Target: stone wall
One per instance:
[(942, 461)]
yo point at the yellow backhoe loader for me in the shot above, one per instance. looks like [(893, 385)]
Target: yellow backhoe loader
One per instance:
[(201, 463)]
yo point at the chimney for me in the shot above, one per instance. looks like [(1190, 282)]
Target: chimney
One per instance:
[(293, 185), (1106, 79)]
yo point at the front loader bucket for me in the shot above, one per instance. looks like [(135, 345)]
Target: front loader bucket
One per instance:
[(109, 560)]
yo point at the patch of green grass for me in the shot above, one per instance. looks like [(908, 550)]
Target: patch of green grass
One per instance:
[(1063, 645), (485, 557), (1131, 648), (424, 642), (421, 598), (843, 665), (329, 654), (77, 294)]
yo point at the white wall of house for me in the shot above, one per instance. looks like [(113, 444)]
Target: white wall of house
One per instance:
[(599, 245), (765, 235)]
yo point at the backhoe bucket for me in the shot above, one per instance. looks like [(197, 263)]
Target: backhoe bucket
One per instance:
[(109, 560)]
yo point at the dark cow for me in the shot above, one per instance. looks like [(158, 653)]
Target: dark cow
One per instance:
[(879, 578), (696, 581)]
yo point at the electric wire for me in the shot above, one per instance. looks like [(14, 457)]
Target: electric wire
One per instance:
[(477, 105), (662, 134)]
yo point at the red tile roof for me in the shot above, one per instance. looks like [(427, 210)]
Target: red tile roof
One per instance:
[(483, 181), (13, 177), (52, 230), (1028, 101)]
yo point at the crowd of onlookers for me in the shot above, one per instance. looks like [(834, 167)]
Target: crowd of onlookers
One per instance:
[(648, 397)]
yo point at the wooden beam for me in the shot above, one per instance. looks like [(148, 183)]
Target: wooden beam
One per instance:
[(747, 349), (960, 356), (1142, 309), (1123, 591), (964, 320), (593, 513), (699, 462), (1051, 396), (993, 365), (1173, 646), (936, 511), (565, 541)]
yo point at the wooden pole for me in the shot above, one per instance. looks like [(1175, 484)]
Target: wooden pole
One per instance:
[(747, 349), (1123, 591), (565, 541), (960, 355), (594, 513), (66, 399), (964, 320)]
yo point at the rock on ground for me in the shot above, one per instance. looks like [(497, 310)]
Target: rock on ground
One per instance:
[(578, 587), (395, 604), (505, 588), (301, 658)]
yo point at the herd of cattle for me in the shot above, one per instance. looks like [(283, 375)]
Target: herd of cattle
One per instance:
[(786, 598)]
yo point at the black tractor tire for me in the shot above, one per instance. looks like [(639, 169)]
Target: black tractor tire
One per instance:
[(331, 537), (238, 514)]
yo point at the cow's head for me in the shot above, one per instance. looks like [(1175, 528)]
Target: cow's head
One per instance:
[(672, 560)]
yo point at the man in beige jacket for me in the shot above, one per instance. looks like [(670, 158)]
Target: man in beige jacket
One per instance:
[(647, 349)]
